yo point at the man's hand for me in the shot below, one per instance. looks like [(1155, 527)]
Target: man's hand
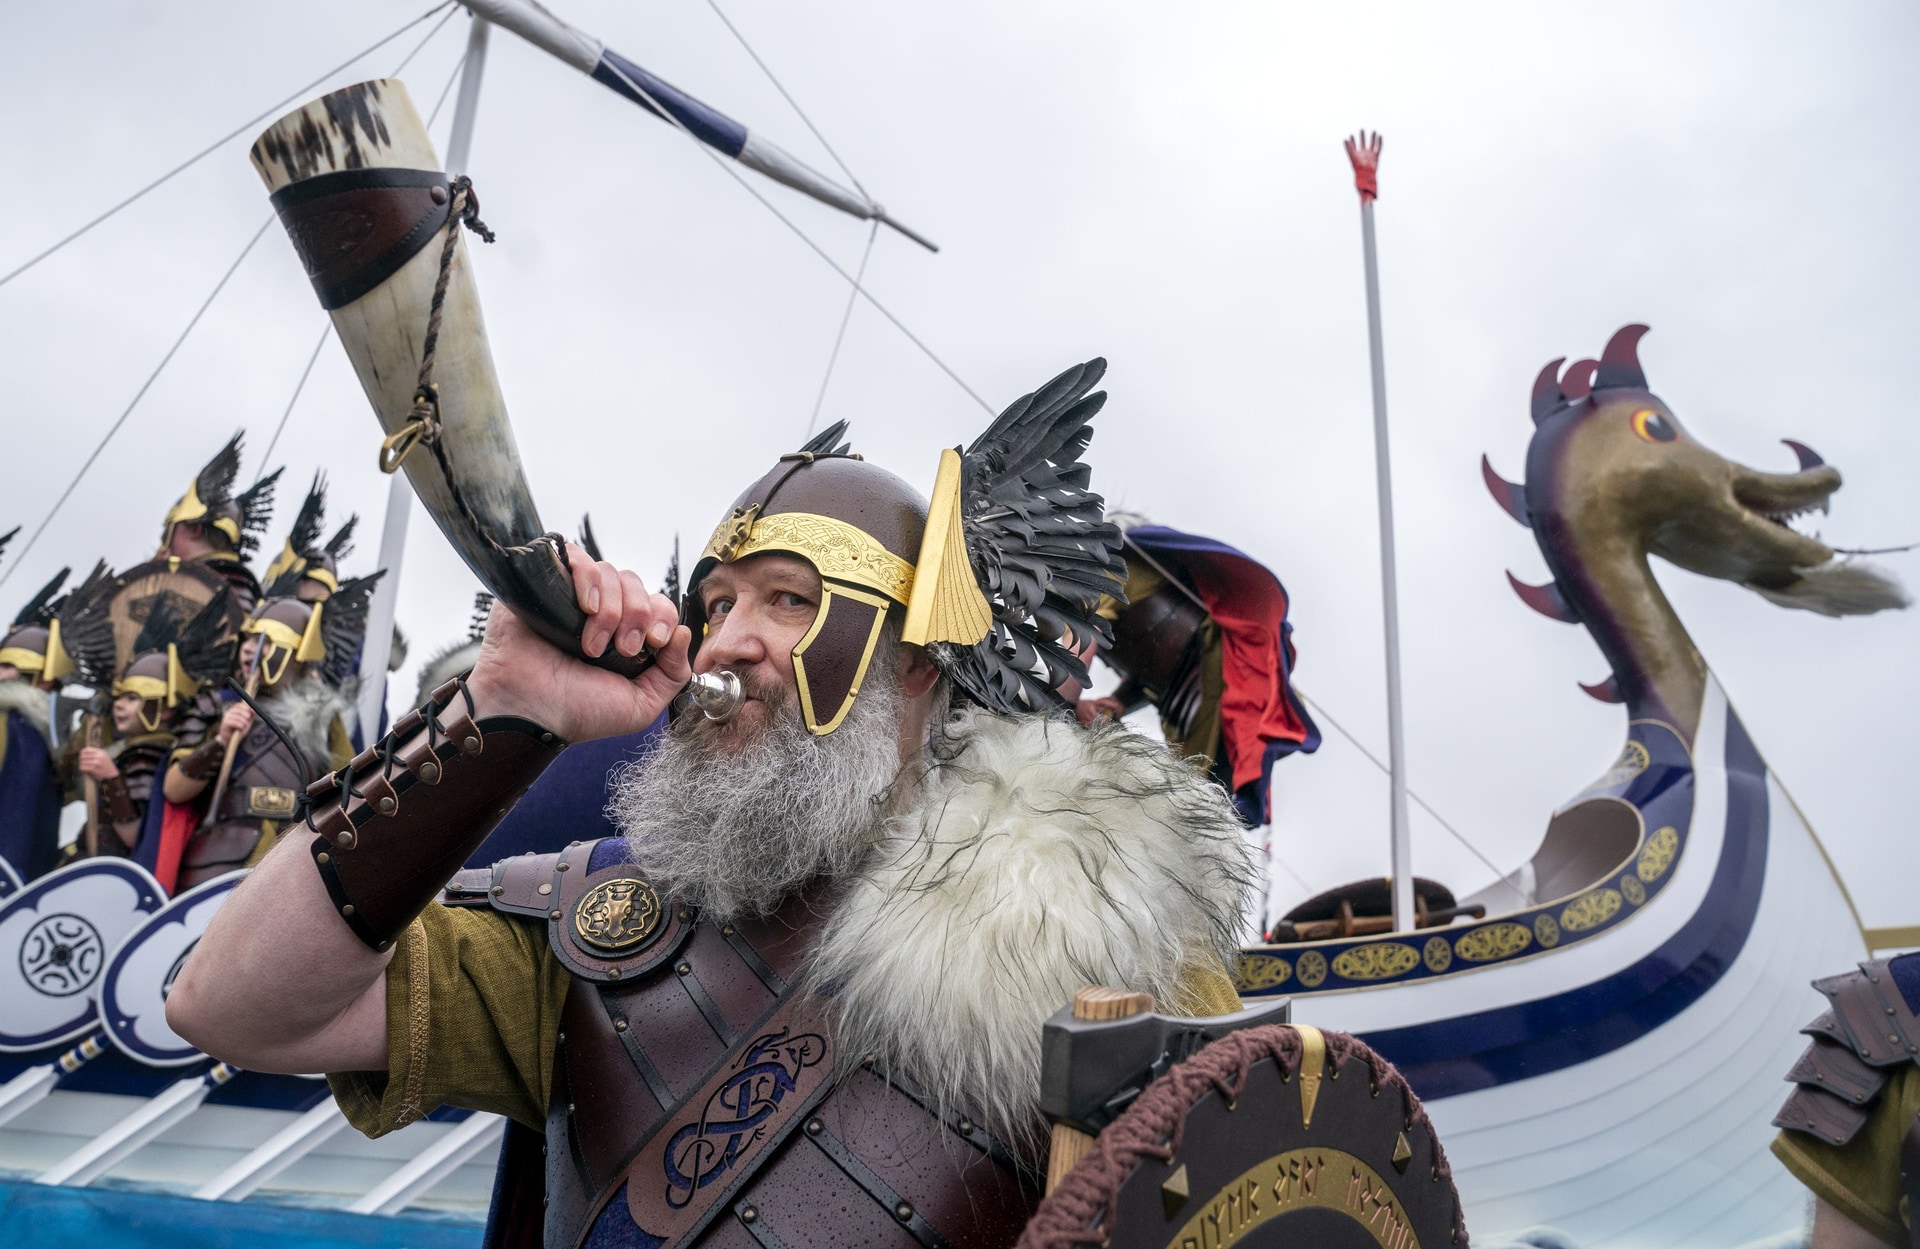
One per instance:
[(96, 763), (234, 722), (519, 675), (1087, 710)]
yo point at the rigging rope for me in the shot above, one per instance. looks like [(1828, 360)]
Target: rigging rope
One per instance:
[(138, 395), (785, 95), (1374, 760), (833, 357), (726, 166), (204, 152), (281, 428)]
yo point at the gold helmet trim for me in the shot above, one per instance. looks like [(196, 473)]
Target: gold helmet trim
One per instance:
[(285, 646), (838, 550), (51, 664), (191, 510), (836, 716), (946, 604)]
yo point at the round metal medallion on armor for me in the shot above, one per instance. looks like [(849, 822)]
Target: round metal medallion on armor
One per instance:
[(616, 916)]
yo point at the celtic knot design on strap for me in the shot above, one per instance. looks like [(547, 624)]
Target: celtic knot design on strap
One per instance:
[(765, 1073)]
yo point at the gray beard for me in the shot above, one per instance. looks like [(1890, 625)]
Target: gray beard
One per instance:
[(734, 817)]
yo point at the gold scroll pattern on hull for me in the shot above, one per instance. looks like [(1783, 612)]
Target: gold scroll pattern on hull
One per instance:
[(1590, 910), (1493, 941), (1299, 1179), (1382, 960)]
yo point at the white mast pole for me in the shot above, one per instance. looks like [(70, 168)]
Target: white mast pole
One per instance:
[(1365, 155), (393, 532)]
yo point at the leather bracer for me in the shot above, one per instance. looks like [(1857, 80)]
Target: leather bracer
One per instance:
[(204, 761), (398, 821), (116, 801)]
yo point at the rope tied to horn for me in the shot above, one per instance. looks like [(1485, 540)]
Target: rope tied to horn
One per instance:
[(423, 419)]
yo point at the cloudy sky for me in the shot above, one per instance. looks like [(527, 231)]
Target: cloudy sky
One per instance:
[(1160, 185)]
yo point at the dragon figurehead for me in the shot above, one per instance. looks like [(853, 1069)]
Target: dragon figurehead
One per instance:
[(1612, 476)]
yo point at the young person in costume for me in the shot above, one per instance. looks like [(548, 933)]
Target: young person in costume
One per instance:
[(212, 525), (33, 663), (173, 659), (1850, 1131), (299, 657), (799, 1001), (1202, 634)]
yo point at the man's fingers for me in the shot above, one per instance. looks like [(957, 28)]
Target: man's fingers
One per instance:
[(586, 580), (604, 620), (635, 615), (666, 617)]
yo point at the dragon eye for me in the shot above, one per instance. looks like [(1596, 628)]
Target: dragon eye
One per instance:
[(1653, 427)]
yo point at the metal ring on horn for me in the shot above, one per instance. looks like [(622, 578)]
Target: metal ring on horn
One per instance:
[(423, 425)]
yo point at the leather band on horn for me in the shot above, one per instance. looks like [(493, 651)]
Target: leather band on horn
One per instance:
[(354, 228)]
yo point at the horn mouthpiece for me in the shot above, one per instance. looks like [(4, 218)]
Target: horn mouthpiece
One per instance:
[(718, 695)]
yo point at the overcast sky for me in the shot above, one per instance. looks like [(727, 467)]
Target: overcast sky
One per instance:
[(1161, 185)]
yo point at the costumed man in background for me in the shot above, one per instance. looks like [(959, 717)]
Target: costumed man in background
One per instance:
[(1202, 634), (298, 660), (214, 526), (173, 659), (306, 568), (33, 663), (800, 1000), (1850, 1130)]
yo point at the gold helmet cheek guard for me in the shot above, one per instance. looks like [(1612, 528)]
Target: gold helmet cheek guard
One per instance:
[(284, 646)]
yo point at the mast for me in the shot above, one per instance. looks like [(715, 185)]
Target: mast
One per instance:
[(393, 531), (1364, 152)]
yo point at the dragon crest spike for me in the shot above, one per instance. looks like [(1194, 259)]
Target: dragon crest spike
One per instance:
[(1620, 361), (1546, 389), (1808, 457), (1607, 691), (1511, 496), (1545, 599), (1578, 383)]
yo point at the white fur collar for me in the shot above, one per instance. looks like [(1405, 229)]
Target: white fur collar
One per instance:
[(305, 710), (31, 702), (1040, 857)]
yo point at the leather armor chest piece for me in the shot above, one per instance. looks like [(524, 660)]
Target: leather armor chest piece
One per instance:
[(264, 786), (696, 1097)]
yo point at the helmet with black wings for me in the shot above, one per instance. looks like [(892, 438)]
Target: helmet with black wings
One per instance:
[(998, 577), (33, 645), (306, 567), (321, 638), (238, 519)]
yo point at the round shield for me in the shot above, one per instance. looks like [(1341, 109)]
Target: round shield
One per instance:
[(1278, 1137), (133, 992), (56, 936), (140, 589)]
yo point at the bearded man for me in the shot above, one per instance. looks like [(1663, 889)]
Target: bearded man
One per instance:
[(800, 1001)]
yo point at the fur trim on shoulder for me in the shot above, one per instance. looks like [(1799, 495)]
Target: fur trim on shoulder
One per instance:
[(31, 702), (306, 710), (1039, 858)]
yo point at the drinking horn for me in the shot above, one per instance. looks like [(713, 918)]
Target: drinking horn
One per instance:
[(358, 187)]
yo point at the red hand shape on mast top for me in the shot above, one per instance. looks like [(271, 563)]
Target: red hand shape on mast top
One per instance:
[(1364, 152)]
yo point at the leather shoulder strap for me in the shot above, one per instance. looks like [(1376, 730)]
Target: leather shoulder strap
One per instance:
[(609, 923)]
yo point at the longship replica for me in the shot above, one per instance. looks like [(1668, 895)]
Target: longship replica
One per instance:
[(1602, 1052), (1597, 1049)]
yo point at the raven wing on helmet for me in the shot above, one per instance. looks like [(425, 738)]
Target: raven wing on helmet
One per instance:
[(44, 605), (344, 626), (87, 632), (1017, 552), (284, 573), (256, 511)]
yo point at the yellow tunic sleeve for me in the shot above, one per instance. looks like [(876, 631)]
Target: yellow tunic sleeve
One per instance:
[(1861, 1179), (473, 1014)]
